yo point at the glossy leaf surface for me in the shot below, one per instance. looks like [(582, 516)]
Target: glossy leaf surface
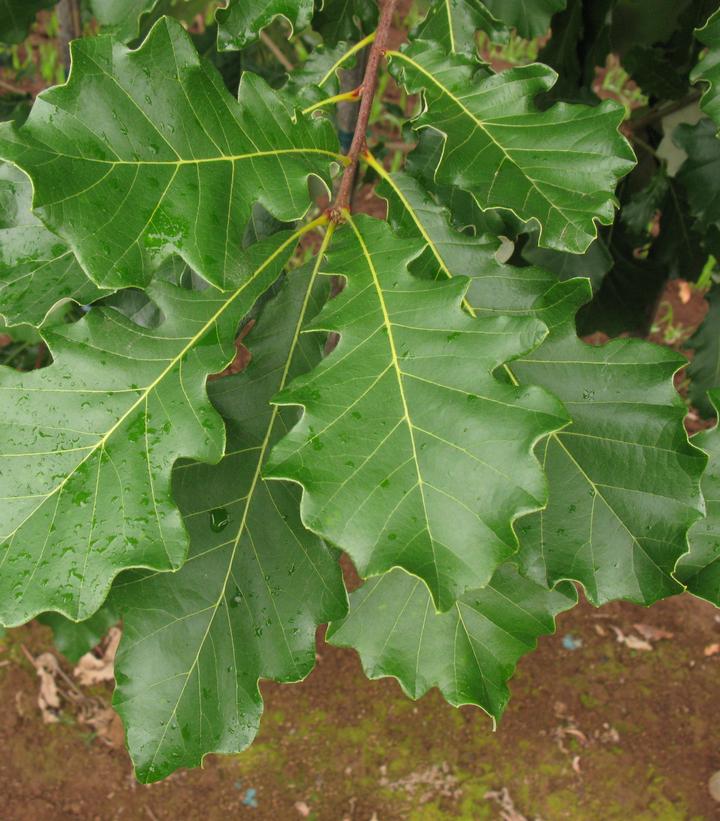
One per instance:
[(89, 442), (454, 24), (37, 269), (469, 653), (256, 583), (558, 167), (144, 154), (700, 568), (397, 450), (623, 479), (242, 21)]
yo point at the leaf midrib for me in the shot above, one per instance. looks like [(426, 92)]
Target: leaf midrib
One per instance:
[(215, 608), (145, 392), (483, 127)]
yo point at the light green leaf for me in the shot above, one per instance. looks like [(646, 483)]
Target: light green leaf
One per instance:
[(558, 167), (700, 568), (37, 269), (256, 584), (708, 69), (74, 639), (410, 452), (469, 653), (704, 368), (16, 17), (144, 154), (89, 442), (453, 24), (242, 21), (624, 481)]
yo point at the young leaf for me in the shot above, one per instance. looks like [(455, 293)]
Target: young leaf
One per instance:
[(624, 481), (708, 69), (144, 154), (89, 442), (704, 368), (16, 17), (242, 20), (256, 584), (453, 25), (558, 167), (410, 452), (37, 269), (74, 639), (699, 570), (531, 18), (469, 653)]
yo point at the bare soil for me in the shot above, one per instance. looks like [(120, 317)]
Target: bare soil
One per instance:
[(597, 732)]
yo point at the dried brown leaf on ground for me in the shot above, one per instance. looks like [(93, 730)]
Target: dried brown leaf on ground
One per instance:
[(631, 641), (712, 649), (93, 669), (49, 701), (652, 633)]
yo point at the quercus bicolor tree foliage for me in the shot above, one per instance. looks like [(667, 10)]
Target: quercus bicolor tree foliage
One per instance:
[(418, 396)]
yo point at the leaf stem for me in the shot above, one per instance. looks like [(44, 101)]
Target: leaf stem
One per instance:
[(369, 86), (348, 54), (349, 96)]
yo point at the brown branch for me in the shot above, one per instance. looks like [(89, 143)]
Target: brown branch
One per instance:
[(68, 14), (277, 53), (369, 86), (660, 111)]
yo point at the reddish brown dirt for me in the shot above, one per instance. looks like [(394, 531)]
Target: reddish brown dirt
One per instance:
[(640, 727)]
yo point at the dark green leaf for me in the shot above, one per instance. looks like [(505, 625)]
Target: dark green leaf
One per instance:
[(708, 69), (469, 653), (74, 639), (16, 17), (704, 369), (243, 20), (623, 479), (700, 568), (453, 24), (398, 449), (558, 167), (255, 586), (531, 18)]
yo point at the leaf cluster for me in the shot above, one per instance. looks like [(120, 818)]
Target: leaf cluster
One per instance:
[(245, 384)]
